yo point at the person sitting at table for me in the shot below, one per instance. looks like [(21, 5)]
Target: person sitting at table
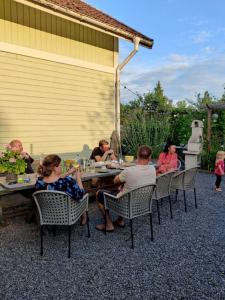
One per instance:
[(167, 160), (129, 179), (102, 152), (51, 178), (17, 146)]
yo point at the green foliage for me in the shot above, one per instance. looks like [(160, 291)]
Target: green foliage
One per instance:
[(141, 129), (12, 162), (208, 159), (153, 119), (181, 118)]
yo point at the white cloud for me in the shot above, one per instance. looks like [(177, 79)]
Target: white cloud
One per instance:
[(201, 37), (178, 58), (181, 79)]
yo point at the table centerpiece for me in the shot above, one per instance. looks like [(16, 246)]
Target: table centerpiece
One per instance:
[(11, 164)]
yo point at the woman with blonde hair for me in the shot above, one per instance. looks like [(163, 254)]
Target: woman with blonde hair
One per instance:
[(219, 169)]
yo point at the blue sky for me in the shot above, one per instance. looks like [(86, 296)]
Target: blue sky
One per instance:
[(189, 51)]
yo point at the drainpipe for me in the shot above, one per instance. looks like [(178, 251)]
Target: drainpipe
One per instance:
[(119, 68)]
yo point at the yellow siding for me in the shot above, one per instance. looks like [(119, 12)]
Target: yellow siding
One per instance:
[(27, 27), (55, 107)]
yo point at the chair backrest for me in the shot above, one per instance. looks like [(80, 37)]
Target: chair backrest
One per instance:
[(53, 207), (163, 183), (189, 178), (140, 200), (178, 165)]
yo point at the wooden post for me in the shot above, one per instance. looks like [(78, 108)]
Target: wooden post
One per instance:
[(209, 129)]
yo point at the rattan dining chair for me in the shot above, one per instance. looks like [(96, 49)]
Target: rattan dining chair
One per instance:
[(178, 165), (162, 191), (184, 181), (136, 203), (57, 208)]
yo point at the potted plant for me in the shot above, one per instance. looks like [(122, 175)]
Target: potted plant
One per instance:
[(11, 164)]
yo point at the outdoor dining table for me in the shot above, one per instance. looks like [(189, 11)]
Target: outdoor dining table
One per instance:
[(7, 188), (85, 176)]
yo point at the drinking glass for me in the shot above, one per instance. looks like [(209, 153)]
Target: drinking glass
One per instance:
[(92, 165)]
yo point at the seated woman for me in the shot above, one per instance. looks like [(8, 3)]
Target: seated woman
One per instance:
[(16, 146), (52, 179), (167, 159)]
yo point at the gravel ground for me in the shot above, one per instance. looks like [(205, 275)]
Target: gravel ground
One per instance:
[(186, 260)]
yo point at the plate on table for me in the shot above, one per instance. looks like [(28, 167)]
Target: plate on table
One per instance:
[(99, 164), (128, 164), (103, 171), (113, 166)]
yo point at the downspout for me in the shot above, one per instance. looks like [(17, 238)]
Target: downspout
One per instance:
[(119, 68)]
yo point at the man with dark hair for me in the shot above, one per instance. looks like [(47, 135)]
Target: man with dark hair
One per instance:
[(129, 179), (102, 152)]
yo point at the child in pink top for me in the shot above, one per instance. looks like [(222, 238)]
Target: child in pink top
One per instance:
[(219, 169), (167, 160)]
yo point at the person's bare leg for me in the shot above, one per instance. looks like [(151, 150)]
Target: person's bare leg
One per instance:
[(101, 208), (83, 219), (109, 224)]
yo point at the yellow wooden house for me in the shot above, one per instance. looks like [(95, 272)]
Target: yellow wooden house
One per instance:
[(59, 74)]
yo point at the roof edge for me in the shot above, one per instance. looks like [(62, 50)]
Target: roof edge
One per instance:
[(146, 42)]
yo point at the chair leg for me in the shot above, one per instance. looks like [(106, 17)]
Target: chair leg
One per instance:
[(185, 202), (105, 220), (41, 232), (171, 212), (196, 205), (88, 227), (69, 241), (176, 195), (131, 232), (151, 226), (158, 211)]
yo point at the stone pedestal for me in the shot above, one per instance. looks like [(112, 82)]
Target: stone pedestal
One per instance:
[(192, 159)]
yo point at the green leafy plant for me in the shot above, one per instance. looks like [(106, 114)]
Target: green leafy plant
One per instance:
[(12, 162), (140, 129)]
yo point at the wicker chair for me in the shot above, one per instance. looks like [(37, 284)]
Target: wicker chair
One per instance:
[(57, 208), (136, 203), (162, 191), (178, 165), (184, 181)]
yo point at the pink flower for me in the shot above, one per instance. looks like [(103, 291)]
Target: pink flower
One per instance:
[(1, 154), (8, 146), (12, 160)]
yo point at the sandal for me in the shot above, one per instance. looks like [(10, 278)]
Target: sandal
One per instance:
[(116, 223), (103, 229)]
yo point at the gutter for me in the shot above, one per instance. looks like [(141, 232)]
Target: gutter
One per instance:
[(68, 14), (119, 68)]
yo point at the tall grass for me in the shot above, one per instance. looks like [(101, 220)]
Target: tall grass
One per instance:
[(152, 130)]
